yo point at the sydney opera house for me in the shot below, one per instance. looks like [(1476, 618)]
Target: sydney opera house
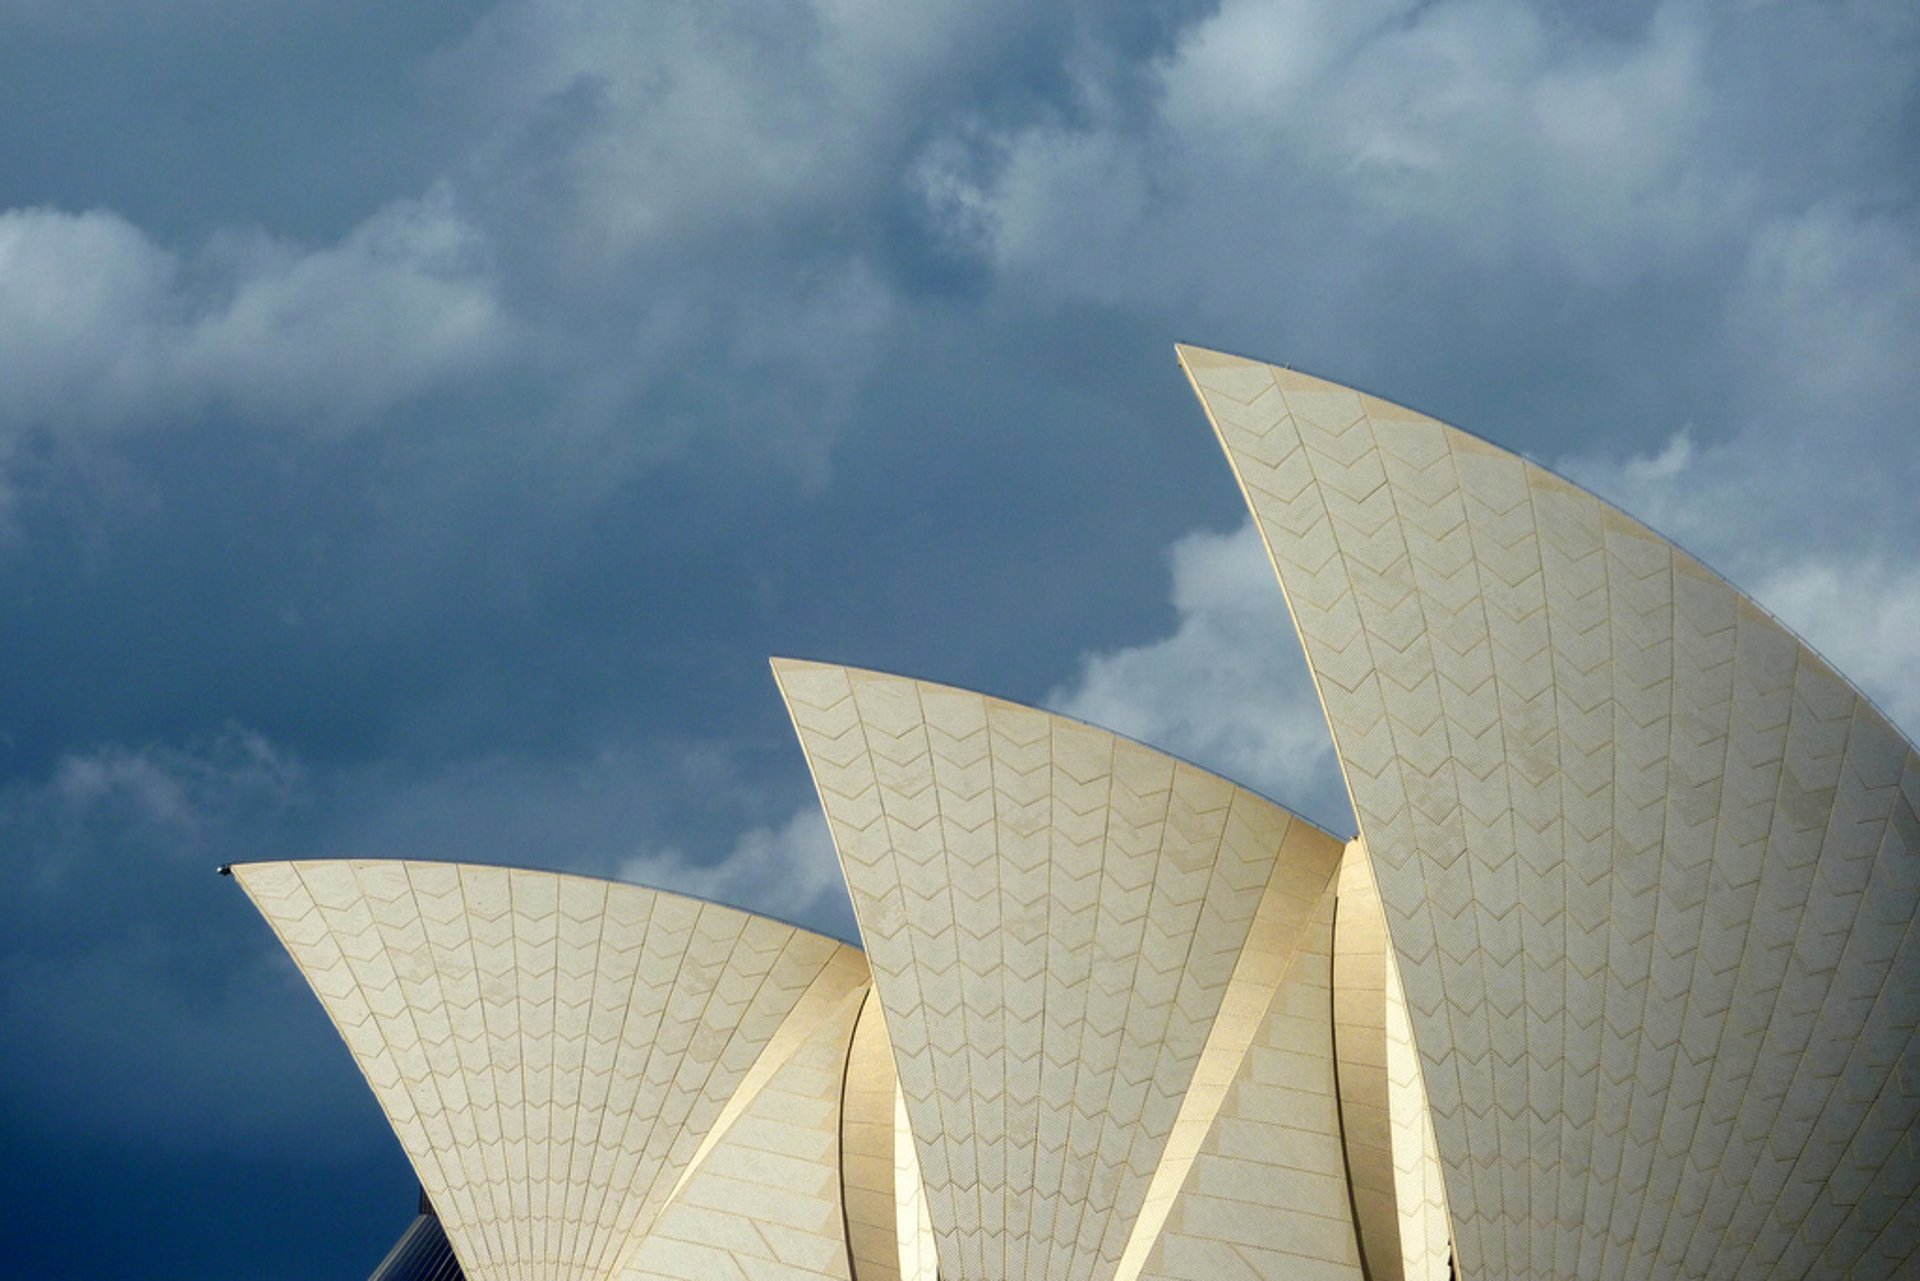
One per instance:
[(1619, 977)]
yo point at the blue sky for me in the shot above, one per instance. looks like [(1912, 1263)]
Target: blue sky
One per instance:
[(418, 425)]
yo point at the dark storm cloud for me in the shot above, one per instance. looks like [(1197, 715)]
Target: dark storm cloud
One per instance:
[(129, 1027), (418, 428), (205, 115), (1621, 248)]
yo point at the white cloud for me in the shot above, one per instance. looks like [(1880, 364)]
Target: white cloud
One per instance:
[(179, 787), (1826, 311), (83, 302), (634, 130), (1326, 171), (1864, 617), (601, 814), (799, 355), (159, 802), (665, 210), (1804, 500), (1228, 689), (1258, 61), (1854, 597), (403, 303), (1776, 521), (100, 327), (790, 872), (1476, 131)]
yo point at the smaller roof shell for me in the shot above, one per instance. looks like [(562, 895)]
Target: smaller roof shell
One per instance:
[(555, 1053), (1077, 942)]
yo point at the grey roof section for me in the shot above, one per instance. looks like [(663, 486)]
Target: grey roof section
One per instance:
[(422, 1253), (1650, 867)]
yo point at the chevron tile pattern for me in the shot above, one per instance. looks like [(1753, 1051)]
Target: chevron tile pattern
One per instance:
[(1393, 1166), (1649, 867), (890, 1237), (1360, 1056), (1620, 979), (867, 1150), (1265, 1141), (1053, 916), (1266, 1194), (552, 1051), (1426, 1232), (764, 1204)]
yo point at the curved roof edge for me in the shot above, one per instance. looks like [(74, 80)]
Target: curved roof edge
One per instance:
[(491, 1010), (229, 869), (1044, 901), (777, 660), (1626, 826), (1183, 350)]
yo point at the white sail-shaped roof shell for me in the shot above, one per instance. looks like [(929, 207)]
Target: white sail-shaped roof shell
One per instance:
[(889, 1236), (1107, 979), (566, 1059), (598, 1080), (1649, 866), (1620, 978)]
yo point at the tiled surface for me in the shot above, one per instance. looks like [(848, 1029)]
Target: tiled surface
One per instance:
[(1426, 1231), (764, 1204), (1393, 1165), (1246, 1156), (552, 1051), (1266, 1194), (1360, 1056), (890, 1236), (1623, 981), (1053, 916), (919, 1253), (866, 1150), (1648, 865)]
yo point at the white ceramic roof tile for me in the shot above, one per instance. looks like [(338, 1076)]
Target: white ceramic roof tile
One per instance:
[(1263, 1192), (889, 1235), (1393, 1164), (1645, 860), (866, 1150), (764, 1200), (1213, 1145), (919, 1254), (552, 1051), (1053, 915)]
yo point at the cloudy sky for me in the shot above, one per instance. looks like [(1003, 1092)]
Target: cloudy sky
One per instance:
[(419, 423)]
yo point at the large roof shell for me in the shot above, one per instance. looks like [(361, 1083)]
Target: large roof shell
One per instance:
[(1649, 866)]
